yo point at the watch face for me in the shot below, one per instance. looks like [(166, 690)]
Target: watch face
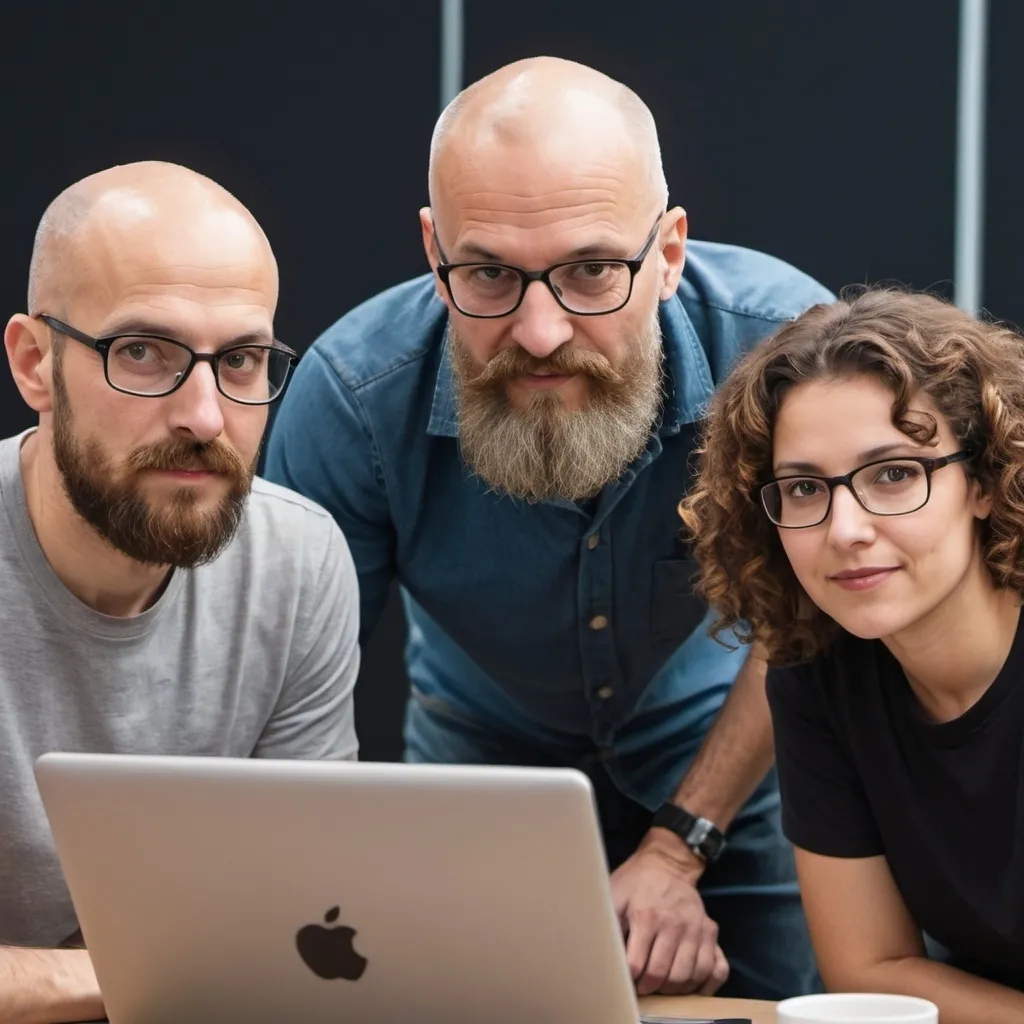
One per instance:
[(700, 835), (705, 838), (713, 845), (701, 829)]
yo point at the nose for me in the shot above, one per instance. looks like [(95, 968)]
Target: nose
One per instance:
[(849, 522), (541, 325), (196, 407)]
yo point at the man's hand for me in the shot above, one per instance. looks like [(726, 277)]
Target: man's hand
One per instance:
[(671, 943), (47, 986)]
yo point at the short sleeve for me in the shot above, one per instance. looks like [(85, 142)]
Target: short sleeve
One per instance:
[(824, 806), (315, 717)]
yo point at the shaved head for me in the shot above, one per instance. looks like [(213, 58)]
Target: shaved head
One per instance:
[(552, 242), (142, 445), (545, 102), (60, 222), (123, 200)]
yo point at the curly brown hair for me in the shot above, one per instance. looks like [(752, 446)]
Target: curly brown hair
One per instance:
[(972, 370)]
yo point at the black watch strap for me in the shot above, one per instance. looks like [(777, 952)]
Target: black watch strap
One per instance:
[(699, 834)]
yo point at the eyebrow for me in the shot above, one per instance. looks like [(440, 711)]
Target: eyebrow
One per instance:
[(867, 456), (602, 249), (136, 325)]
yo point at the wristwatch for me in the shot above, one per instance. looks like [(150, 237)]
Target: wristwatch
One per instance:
[(699, 834)]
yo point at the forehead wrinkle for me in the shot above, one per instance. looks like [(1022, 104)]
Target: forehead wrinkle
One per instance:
[(586, 214), (506, 237), (208, 295), (519, 200), (484, 218), (545, 179), (229, 275)]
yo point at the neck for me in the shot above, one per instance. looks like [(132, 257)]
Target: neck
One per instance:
[(95, 572), (951, 657)]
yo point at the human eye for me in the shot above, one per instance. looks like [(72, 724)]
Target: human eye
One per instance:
[(242, 361), (489, 274), (592, 271), (804, 487), (140, 356), (136, 350), (895, 473)]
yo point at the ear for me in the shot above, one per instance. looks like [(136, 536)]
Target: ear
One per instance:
[(427, 230), (30, 353), (980, 497), (671, 246), (430, 248)]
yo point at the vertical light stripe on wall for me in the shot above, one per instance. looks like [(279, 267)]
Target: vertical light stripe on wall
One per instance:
[(451, 50), (969, 215)]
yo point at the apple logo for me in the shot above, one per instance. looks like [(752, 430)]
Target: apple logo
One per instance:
[(328, 952)]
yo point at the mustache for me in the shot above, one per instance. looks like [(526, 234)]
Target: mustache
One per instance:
[(181, 455), (565, 361)]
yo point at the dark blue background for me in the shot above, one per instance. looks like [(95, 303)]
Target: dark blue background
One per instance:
[(823, 133)]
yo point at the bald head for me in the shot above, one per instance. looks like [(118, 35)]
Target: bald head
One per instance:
[(128, 208), (542, 106)]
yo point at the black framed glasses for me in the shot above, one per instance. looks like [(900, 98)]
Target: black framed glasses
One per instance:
[(152, 366), (888, 487), (580, 287)]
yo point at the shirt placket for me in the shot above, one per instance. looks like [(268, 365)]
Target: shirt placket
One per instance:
[(602, 674)]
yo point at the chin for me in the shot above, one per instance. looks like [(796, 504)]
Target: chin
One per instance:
[(203, 492), (575, 394), (874, 624), (866, 630), (572, 396)]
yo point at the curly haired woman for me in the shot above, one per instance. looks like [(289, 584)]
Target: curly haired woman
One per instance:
[(859, 516)]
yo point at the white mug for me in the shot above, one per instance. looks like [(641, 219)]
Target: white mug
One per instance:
[(857, 1008)]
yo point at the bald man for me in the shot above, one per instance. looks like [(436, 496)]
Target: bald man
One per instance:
[(156, 599), (508, 437)]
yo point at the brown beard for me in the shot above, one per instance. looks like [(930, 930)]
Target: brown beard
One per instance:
[(546, 451), (173, 533)]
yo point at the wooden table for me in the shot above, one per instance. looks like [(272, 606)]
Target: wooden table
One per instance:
[(697, 1006), (702, 1006)]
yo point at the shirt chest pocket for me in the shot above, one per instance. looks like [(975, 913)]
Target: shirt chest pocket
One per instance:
[(675, 610)]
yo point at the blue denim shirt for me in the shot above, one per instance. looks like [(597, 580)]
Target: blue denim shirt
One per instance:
[(560, 625)]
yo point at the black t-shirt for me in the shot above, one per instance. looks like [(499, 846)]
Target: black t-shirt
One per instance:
[(863, 772)]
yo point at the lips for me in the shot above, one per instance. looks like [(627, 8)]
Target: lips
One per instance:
[(866, 578), (856, 574), (543, 381)]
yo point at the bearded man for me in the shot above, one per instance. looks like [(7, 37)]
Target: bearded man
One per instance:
[(156, 598), (508, 438)]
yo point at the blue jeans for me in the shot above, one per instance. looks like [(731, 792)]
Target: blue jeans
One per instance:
[(750, 892)]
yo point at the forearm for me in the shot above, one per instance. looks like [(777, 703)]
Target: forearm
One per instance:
[(47, 986), (737, 751), (962, 998)]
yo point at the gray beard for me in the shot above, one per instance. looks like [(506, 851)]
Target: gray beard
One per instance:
[(544, 451)]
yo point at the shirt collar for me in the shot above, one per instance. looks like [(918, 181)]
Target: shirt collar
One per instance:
[(444, 420), (689, 386)]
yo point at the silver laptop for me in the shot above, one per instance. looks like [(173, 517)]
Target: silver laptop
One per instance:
[(260, 892)]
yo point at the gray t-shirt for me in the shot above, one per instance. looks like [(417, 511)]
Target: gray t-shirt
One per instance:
[(255, 654)]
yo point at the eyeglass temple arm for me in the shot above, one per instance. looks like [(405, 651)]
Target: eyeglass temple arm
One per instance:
[(62, 328)]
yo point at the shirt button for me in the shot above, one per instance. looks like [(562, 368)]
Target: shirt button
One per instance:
[(592, 541), (598, 622), (606, 692)]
